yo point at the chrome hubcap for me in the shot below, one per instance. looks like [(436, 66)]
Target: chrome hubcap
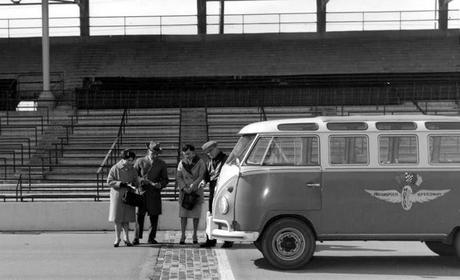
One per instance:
[(288, 244)]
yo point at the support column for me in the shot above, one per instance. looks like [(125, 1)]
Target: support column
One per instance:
[(221, 17), (201, 14), (46, 98), (321, 15), (443, 14), (84, 18)]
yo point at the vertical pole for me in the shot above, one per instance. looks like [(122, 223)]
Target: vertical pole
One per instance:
[(443, 14), (321, 15), (45, 46), (201, 14), (84, 18), (221, 16), (46, 98)]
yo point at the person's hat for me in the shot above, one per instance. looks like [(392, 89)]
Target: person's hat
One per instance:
[(208, 146), (153, 146)]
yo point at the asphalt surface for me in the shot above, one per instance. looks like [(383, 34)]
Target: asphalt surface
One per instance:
[(91, 255), (351, 260), (82, 255)]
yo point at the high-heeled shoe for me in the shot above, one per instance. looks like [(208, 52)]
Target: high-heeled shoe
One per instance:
[(128, 244), (116, 244), (182, 241)]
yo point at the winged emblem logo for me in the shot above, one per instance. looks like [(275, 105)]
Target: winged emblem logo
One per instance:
[(407, 196)]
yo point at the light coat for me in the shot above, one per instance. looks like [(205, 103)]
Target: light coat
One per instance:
[(188, 182), (120, 212)]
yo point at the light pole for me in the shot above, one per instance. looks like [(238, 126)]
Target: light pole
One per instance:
[(46, 98)]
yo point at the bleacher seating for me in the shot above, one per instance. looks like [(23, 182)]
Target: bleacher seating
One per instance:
[(74, 174), (332, 74)]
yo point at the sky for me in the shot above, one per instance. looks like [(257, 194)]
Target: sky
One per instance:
[(105, 8), (188, 7)]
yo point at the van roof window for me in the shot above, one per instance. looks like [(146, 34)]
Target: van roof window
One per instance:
[(442, 125), (347, 126), (396, 126), (298, 127)]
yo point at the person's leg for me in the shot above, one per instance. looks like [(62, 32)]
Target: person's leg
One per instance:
[(139, 225), (125, 227), (117, 234), (209, 242), (195, 229), (211, 198), (183, 226), (153, 231)]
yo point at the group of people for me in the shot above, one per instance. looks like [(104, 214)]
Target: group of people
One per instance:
[(148, 175)]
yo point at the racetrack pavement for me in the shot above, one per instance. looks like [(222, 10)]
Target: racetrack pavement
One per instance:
[(91, 255)]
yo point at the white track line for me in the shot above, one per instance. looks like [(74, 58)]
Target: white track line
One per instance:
[(223, 266)]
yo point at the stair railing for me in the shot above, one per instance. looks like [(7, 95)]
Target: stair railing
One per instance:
[(111, 155), (262, 115), (19, 189)]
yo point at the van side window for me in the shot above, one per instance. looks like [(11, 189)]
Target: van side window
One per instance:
[(444, 149), (286, 151), (258, 152), (348, 150), (398, 149)]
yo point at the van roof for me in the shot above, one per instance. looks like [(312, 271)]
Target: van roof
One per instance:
[(273, 125)]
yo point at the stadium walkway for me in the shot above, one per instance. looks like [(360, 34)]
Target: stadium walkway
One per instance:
[(90, 255)]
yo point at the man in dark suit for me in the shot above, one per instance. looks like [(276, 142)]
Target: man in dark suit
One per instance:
[(153, 175), (216, 160)]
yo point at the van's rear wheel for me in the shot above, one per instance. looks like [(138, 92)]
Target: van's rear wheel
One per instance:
[(456, 244), (288, 244), (440, 248)]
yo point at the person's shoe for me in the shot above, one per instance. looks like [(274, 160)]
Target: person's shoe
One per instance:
[(153, 241), (195, 241), (208, 244), (128, 244), (182, 241), (116, 244), (135, 242), (227, 244)]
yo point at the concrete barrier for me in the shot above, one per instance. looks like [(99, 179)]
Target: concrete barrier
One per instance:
[(78, 216)]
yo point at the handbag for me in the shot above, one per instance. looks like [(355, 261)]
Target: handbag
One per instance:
[(133, 199), (190, 199)]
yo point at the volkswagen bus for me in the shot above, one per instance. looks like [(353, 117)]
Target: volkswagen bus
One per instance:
[(290, 183)]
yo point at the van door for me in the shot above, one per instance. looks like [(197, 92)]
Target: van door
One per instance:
[(290, 173)]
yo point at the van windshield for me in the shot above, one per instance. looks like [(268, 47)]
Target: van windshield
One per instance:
[(240, 148)]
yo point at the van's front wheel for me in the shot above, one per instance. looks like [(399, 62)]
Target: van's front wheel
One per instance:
[(288, 244)]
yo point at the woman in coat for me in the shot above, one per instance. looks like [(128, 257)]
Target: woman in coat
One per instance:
[(120, 179), (190, 173)]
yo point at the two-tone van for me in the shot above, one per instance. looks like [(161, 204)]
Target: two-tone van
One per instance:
[(290, 183)]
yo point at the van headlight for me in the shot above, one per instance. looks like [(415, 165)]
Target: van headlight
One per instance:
[(223, 206)]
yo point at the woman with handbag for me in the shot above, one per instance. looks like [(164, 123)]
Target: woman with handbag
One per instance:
[(121, 179), (190, 173)]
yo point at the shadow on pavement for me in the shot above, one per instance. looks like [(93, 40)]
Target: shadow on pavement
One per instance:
[(422, 266)]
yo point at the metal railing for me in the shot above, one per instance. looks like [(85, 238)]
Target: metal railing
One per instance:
[(262, 115), (112, 154), (233, 23)]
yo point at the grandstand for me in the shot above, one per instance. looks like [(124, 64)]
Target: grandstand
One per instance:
[(116, 92)]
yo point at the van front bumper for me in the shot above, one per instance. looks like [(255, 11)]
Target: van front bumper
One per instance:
[(213, 231)]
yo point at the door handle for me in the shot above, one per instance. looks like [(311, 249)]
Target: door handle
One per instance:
[(313, 185)]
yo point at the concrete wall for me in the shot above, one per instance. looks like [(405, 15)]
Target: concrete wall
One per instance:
[(83, 216)]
